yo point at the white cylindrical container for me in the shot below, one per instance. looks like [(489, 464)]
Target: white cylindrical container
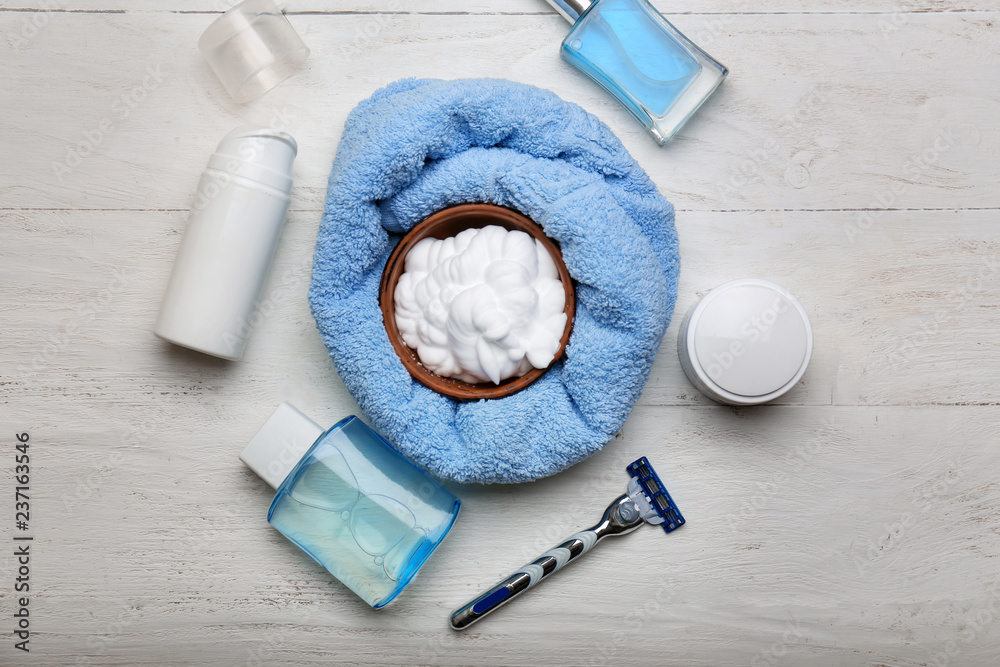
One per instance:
[(228, 244), (746, 342)]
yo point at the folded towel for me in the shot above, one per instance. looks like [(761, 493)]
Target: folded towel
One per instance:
[(417, 146)]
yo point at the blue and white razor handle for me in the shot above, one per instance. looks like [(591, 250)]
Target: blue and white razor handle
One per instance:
[(646, 500)]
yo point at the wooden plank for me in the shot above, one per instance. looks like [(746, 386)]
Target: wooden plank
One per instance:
[(894, 314), (821, 112), (825, 534), (504, 7)]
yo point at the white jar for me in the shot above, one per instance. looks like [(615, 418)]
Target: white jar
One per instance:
[(746, 342), (228, 244)]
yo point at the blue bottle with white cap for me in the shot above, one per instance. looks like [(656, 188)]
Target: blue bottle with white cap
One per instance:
[(351, 501)]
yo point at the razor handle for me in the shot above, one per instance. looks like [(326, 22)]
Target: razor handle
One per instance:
[(622, 516)]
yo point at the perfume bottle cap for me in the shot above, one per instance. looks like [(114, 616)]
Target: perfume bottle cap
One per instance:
[(746, 342), (571, 9), (280, 443)]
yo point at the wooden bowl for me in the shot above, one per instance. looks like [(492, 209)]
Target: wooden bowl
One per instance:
[(441, 225)]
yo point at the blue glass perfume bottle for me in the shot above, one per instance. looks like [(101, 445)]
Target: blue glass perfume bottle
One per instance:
[(660, 75), (351, 501)]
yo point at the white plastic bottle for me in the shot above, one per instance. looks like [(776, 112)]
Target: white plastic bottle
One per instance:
[(228, 244)]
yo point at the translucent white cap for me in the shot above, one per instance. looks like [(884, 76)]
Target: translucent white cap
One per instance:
[(746, 342), (252, 48), (280, 443)]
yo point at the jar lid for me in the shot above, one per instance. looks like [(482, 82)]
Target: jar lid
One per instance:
[(747, 341)]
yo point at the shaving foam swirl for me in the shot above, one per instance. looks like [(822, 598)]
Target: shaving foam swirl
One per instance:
[(484, 305)]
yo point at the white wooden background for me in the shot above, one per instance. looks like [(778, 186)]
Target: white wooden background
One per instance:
[(851, 156)]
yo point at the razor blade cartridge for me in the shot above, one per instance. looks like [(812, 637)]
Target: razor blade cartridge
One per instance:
[(649, 493)]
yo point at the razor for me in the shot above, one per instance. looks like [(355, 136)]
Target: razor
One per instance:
[(646, 500)]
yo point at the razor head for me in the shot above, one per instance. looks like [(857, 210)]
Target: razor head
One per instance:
[(648, 492)]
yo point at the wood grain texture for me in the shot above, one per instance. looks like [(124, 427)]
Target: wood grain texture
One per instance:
[(502, 7), (855, 522), (841, 123)]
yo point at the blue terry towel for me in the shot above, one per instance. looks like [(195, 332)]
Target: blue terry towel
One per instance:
[(417, 146)]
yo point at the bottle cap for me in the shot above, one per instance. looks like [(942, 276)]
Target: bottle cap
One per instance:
[(280, 443), (746, 342), (571, 9), (252, 48), (261, 155)]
